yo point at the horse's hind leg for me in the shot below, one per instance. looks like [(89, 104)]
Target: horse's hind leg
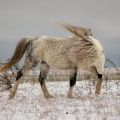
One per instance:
[(26, 68), (73, 75), (44, 68), (16, 83)]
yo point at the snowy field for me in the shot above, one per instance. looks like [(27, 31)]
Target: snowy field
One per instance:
[(29, 103)]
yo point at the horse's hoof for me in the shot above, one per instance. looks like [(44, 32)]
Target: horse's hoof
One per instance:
[(11, 96), (49, 96), (70, 96), (96, 92)]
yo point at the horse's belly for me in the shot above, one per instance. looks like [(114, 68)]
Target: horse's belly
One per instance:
[(58, 62)]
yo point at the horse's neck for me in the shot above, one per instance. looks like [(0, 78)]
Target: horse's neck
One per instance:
[(75, 37)]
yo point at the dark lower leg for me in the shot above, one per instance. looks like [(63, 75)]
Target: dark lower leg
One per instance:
[(99, 84), (72, 82), (43, 74), (41, 79)]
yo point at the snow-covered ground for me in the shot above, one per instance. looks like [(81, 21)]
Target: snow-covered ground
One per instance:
[(29, 103)]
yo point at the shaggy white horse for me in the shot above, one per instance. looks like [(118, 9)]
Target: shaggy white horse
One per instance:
[(80, 51)]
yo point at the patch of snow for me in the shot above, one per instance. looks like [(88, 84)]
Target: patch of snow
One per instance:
[(30, 104)]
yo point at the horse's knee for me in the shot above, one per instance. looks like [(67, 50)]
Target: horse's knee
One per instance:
[(25, 69), (43, 72), (99, 76), (94, 70), (73, 78), (41, 79), (99, 84), (19, 74), (72, 82)]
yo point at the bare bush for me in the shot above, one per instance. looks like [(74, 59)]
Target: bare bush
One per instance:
[(115, 74), (8, 76)]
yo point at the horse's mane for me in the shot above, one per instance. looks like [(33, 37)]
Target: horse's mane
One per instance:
[(79, 31)]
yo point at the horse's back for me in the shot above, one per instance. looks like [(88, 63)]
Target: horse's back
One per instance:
[(65, 53)]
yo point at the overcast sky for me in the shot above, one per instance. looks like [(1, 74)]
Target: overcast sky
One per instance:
[(20, 18)]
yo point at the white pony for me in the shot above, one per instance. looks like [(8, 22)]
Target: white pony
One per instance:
[(80, 51)]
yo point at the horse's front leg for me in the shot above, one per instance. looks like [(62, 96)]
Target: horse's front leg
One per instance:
[(73, 75), (99, 83), (44, 68)]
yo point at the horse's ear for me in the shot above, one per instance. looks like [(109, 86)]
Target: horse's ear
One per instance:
[(90, 32)]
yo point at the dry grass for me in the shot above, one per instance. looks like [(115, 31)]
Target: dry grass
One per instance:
[(29, 102)]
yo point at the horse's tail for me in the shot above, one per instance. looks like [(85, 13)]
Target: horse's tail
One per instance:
[(18, 54)]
